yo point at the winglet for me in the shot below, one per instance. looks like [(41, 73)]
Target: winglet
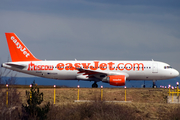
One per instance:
[(18, 51)]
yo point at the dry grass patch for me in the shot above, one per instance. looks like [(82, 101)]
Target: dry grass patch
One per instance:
[(109, 94)]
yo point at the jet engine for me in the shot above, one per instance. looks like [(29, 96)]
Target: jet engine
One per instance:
[(116, 80)]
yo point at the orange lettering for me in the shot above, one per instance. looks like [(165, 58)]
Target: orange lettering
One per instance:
[(42, 67), (103, 66), (138, 65), (32, 66), (69, 66), (46, 67), (95, 65), (85, 66), (60, 66), (118, 66), (35, 67), (39, 67), (127, 67), (77, 65), (51, 67), (111, 65)]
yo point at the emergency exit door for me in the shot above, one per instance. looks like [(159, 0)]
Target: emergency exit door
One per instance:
[(154, 68)]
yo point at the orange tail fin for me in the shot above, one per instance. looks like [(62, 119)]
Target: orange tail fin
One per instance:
[(18, 51)]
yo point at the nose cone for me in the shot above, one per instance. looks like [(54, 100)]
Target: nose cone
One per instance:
[(175, 73)]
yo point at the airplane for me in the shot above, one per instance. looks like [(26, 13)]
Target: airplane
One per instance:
[(113, 72)]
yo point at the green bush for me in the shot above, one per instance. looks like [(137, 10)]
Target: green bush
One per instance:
[(32, 109)]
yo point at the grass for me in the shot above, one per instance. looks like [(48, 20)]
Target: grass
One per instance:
[(68, 95), (146, 103)]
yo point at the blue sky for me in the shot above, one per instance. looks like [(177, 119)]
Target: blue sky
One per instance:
[(94, 29)]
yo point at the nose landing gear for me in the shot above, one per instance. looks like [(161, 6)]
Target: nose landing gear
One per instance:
[(154, 84)]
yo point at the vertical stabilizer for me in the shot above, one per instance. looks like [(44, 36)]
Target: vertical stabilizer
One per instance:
[(18, 51)]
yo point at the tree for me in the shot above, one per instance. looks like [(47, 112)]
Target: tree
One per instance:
[(7, 76), (9, 96), (32, 109)]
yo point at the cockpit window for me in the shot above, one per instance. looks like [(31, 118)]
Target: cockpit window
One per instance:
[(167, 67)]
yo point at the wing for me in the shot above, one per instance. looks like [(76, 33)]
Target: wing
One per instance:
[(91, 73), (97, 75)]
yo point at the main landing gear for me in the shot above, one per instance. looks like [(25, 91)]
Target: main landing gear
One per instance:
[(154, 84), (94, 85), (144, 86)]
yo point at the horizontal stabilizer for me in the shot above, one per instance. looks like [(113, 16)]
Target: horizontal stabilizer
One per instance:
[(16, 66)]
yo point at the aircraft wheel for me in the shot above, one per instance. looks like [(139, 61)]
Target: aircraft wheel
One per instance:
[(154, 84), (144, 86), (94, 85)]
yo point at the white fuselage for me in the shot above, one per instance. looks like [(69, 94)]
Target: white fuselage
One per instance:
[(66, 70)]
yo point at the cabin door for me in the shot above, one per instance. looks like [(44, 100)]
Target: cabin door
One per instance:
[(154, 68)]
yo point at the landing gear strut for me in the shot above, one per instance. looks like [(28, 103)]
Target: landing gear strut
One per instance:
[(144, 86), (94, 85), (154, 84)]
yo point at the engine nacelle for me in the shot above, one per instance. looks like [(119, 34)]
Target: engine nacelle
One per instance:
[(116, 80)]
